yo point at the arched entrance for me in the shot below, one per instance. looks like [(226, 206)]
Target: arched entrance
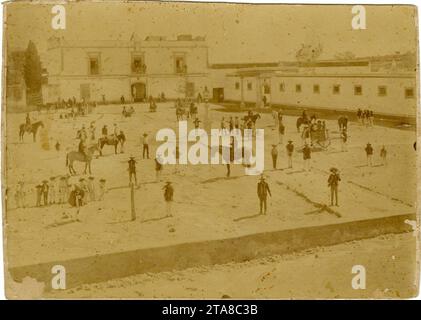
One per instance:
[(138, 91)]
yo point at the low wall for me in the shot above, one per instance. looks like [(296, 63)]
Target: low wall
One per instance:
[(104, 267)]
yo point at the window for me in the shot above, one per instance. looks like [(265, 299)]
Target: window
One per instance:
[(409, 93), (180, 64), (316, 88), (138, 64), (282, 87), (93, 64), (237, 86), (249, 86), (298, 88), (336, 89), (358, 90), (382, 91)]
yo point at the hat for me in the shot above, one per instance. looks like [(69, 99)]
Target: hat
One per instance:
[(102, 180), (333, 169), (289, 141), (145, 134), (274, 145), (168, 182), (44, 181), (91, 178)]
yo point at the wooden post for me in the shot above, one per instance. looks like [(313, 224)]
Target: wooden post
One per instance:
[(133, 211)]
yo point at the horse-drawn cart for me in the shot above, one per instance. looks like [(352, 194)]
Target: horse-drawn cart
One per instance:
[(319, 135)]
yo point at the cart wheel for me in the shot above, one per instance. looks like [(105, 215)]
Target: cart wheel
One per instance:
[(324, 143)]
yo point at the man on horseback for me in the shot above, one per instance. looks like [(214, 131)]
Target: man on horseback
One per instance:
[(81, 134), (28, 124), (82, 147)]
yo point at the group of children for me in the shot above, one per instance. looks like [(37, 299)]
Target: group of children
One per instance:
[(58, 190)]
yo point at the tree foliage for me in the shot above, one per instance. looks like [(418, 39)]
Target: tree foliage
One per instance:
[(32, 68)]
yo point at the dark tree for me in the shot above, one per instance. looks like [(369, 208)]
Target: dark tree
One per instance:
[(32, 69)]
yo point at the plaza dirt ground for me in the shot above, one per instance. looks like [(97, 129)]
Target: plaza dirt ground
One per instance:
[(322, 272), (207, 205)]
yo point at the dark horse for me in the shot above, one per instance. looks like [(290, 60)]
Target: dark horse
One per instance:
[(343, 123), (301, 121), (32, 128), (79, 156), (252, 117), (111, 140)]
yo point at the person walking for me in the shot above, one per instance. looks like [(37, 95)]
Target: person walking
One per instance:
[(104, 131), (91, 188), (116, 130), (274, 154), (20, 195), (344, 139), (102, 189), (132, 170), (306, 157), (369, 152), (38, 189), (52, 190), (333, 182), (236, 123), (196, 122), (290, 151), (44, 191), (281, 131), (158, 168), (359, 115), (262, 193), (383, 154), (82, 192), (63, 190), (168, 197), (145, 144), (122, 138)]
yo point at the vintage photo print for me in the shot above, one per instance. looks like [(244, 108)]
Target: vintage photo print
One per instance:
[(209, 150)]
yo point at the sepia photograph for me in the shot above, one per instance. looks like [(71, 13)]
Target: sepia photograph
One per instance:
[(186, 150)]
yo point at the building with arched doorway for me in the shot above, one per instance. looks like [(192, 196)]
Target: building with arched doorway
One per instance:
[(136, 69)]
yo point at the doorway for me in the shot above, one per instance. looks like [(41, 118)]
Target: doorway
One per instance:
[(138, 91)]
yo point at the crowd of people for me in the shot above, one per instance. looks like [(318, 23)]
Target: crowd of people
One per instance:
[(365, 117), (58, 189)]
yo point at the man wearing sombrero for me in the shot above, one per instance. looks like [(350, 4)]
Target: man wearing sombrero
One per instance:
[(262, 192), (168, 197), (333, 183)]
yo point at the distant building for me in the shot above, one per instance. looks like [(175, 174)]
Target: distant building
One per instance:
[(136, 69), (386, 85), (106, 70)]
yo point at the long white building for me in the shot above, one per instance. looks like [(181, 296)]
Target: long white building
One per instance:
[(106, 70), (382, 86)]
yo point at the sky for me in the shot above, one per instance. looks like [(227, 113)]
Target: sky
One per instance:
[(234, 32)]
